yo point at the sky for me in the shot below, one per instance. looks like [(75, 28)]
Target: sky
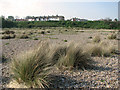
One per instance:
[(89, 9)]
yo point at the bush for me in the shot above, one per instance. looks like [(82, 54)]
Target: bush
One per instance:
[(65, 40), (30, 33), (35, 38), (32, 68), (8, 32), (8, 36), (42, 32), (112, 36), (90, 37), (96, 39), (48, 31)]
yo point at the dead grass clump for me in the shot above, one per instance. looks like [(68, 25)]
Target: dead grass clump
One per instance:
[(8, 32), (101, 49), (32, 68), (95, 50), (30, 33), (42, 32), (10, 36), (112, 36), (72, 56), (48, 31), (96, 39)]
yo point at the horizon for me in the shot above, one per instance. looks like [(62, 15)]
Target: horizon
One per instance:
[(82, 10)]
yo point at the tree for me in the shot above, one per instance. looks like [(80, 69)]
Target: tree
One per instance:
[(115, 20), (11, 18), (28, 17)]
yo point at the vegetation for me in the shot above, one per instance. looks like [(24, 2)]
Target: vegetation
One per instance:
[(85, 24), (101, 49), (42, 32), (65, 40), (72, 56), (8, 32), (8, 36), (112, 36), (96, 39), (32, 68)]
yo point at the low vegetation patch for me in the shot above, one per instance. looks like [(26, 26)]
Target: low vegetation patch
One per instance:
[(42, 32), (65, 40), (48, 31), (101, 49), (112, 36), (10, 36), (8, 32), (96, 39), (32, 68), (35, 38), (71, 56)]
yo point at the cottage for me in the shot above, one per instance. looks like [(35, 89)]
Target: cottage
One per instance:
[(46, 18)]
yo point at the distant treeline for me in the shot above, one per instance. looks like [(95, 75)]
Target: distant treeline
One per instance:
[(85, 24)]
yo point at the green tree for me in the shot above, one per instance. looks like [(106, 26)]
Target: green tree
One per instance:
[(11, 18)]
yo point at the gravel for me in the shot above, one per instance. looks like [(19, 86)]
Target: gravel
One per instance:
[(104, 73)]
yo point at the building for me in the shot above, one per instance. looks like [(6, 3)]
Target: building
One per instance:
[(46, 18), (20, 20), (77, 19)]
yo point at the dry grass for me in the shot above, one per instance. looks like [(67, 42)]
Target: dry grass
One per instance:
[(71, 56), (32, 68), (101, 49), (96, 39), (8, 36), (8, 32), (112, 36)]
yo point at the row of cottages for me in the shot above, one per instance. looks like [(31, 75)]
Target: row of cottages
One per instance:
[(77, 19), (46, 18)]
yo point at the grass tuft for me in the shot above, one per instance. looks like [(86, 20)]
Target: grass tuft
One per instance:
[(96, 39), (10, 36), (32, 68), (71, 56), (112, 36)]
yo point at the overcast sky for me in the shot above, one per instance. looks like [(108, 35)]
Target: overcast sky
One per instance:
[(89, 9)]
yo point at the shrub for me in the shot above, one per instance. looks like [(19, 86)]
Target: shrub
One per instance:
[(112, 36), (4, 59), (65, 40), (32, 68), (35, 38), (96, 39), (8, 32), (90, 37), (48, 31), (42, 32), (30, 33), (8, 36)]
